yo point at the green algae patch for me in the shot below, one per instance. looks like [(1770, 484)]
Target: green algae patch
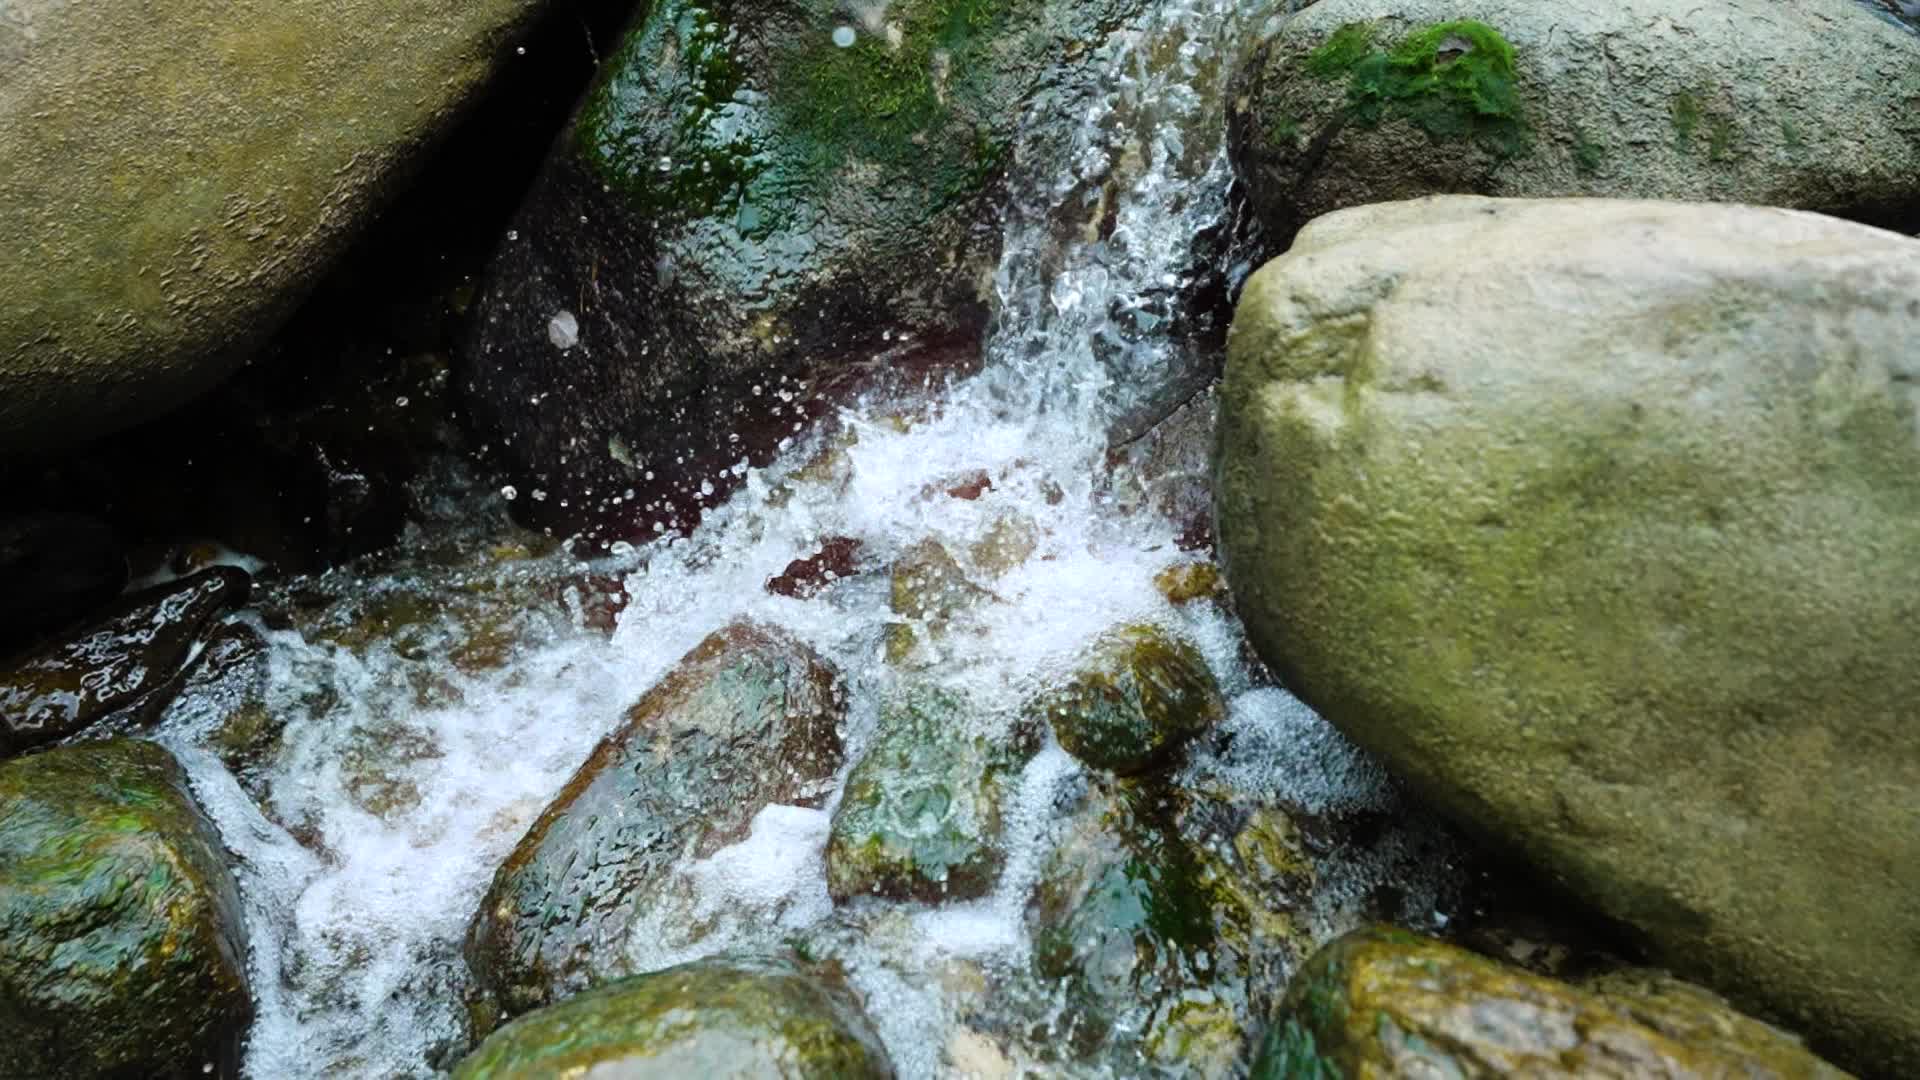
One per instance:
[(1452, 80)]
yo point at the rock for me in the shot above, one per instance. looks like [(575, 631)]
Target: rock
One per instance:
[(178, 178), (1145, 941), (1138, 698), (928, 591), (759, 209), (1608, 548), (54, 568), (1183, 583), (838, 557), (749, 718), (124, 668), (121, 946), (728, 1016), (920, 818), (1367, 101), (1382, 1002)]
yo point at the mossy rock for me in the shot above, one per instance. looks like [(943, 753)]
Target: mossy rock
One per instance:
[(1383, 1002), (759, 209), (1357, 101), (1139, 696), (1607, 549), (749, 718), (119, 672), (177, 178), (121, 948), (927, 590), (1144, 940), (921, 814), (728, 1016)]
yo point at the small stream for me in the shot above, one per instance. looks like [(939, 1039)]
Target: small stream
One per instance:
[(414, 757)]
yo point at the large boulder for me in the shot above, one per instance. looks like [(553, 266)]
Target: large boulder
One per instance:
[(177, 176), (1611, 546), (748, 719), (1382, 1002), (758, 207), (1812, 105), (728, 1016), (121, 947)]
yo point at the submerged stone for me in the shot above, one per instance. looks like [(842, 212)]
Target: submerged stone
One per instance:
[(921, 814), (1145, 940), (728, 1016), (124, 668), (1139, 697), (1383, 1002), (928, 590), (749, 718), (121, 947)]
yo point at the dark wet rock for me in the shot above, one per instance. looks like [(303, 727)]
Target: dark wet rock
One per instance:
[(123, 669), (922, 812), (837, 558), (1353, 102), (225, 695), (144, 249), (55, 568), (1147, 944), (929, 589), (121, 947), (748, 719), (1385, 1002), (747, 221), (1140, 695), (1605, 549), (728, 1016), (1166, 473)]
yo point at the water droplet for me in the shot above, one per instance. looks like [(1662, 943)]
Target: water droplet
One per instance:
[(539, 496), (401, 401), (509, 493), (844, 36), (563, 330)]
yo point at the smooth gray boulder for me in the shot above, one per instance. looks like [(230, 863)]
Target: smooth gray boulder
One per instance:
[(1813, 105), (1611, 547)]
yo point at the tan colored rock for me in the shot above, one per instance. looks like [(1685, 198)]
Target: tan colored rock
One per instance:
[(1600, 523), (1383, 1003), (177, 175)]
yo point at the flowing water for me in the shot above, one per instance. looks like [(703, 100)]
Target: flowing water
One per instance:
[(413, 759)]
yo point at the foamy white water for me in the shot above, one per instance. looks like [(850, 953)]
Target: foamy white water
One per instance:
[(402, 781)]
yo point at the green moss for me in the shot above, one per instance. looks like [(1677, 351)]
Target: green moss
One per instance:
[(1451, 80), (1790, 135), (1348, 46), (871, 98), (1290, 1052), (1685, 113), (1588, 156), (710, 158), (1722, 133)]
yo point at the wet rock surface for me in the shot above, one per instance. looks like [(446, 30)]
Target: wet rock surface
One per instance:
[(1383, 1002), (121, 951), (1611, 564), (921, 815), (1358, 101), (144, 249), (121, 671), (728, 1016), (749, 718), (758, 209), (1139, 697)]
